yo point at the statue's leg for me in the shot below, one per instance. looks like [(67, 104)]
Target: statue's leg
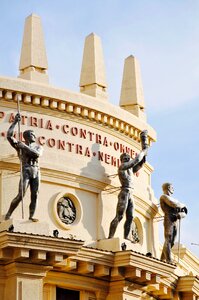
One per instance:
[(162, 257), (174, 234), (34, 189), (15, 202), (168, 240), (166, 251), (121, 207), (129, 219)]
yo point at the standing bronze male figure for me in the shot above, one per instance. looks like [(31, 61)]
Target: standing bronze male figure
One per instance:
[(125, 198), (29, 153), (173, 210)]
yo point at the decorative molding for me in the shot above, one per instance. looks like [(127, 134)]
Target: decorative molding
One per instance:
[(24, 247), (78, 110), (71, 258)]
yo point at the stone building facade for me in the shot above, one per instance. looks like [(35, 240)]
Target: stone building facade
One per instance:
[(66, 254)]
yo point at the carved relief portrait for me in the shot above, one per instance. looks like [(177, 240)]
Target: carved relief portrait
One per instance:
[(135, 233), (66, 210)]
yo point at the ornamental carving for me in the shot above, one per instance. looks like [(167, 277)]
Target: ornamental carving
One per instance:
[(66, 210), (135, 233)]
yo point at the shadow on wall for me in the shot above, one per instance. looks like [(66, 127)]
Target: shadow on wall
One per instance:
[(152, 225), (95, 171)]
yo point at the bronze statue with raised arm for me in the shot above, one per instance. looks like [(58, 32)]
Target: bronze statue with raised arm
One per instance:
[(29, 152), (173, 211), (125, 198)]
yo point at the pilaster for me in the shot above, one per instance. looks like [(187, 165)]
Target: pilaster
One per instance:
[(24, 281), (49, 292)]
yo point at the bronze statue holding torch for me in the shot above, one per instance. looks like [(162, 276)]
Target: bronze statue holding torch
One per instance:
[(125, 203)]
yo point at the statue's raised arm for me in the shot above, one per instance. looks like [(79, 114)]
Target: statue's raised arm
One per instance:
[(10, 133), (30, 173), (125, 198)]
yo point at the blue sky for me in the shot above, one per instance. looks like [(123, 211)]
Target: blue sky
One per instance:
[(164, 36)]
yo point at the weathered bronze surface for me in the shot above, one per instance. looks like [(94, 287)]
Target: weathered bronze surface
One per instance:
[(173, 211), (125, 203), (28, 153)]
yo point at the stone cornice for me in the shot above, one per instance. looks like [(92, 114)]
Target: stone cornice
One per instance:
[(188, 284), (134, 259), (15, 246), (153, 276), (96, 255), (188, 261), (70, 256), (82, 106)]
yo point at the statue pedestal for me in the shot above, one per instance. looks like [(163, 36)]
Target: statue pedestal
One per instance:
[(25, 226), (114, 244)]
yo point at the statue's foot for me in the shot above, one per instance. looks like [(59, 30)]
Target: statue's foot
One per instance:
[(170, 261), (7, 217), (33, 219)]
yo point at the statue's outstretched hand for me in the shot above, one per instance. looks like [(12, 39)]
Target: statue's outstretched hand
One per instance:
[(182, 212), (185, 210), (143, 138), (17, 118)]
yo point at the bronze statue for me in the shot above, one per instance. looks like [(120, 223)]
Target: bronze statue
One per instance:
[(125, 198), (28, 153), (173, 211)]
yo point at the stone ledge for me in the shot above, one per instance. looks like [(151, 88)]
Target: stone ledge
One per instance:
[(55, 248), (114, 244), (25, 226)]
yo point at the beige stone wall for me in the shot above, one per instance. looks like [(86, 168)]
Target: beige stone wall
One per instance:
[(83, 136), (79, 156)]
